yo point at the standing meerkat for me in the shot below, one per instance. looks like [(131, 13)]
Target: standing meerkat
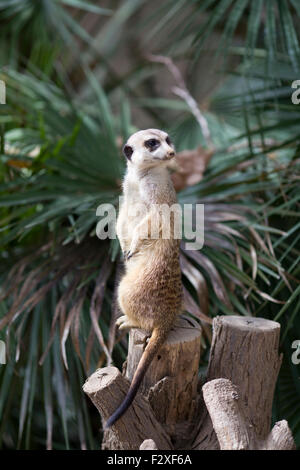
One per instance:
[(150, 292)]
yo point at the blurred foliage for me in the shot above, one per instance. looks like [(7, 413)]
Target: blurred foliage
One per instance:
[(78, 81)]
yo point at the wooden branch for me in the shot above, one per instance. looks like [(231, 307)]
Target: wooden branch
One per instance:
[(171, 380), (231, 424), (245, 351), (170, 387), (204, 437), (148, 444), (107, 388), (227, 414), (280, 438), (236, 399), (242, 373)]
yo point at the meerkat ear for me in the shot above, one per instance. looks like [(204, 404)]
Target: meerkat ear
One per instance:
[(128, 151)]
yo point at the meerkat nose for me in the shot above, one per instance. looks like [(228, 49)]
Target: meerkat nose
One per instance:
[(171, 154)]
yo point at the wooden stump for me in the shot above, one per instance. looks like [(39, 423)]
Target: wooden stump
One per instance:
[(171, 380), (233, 424), (169, 389), (245, 351), (231, 411), (106, 388)]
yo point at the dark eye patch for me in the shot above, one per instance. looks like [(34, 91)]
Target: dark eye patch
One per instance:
[(168, 140), (152, 144)]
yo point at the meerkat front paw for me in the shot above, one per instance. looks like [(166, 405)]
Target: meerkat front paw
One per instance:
[(134, 248), (130, 254)]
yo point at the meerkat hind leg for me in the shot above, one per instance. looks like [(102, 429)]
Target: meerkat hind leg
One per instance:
[(125, 323)]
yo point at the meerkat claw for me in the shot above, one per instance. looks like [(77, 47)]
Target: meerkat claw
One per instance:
[(127, 255), (121, 320), (146, 340), (130, 254), (124, 323), (125, 326)]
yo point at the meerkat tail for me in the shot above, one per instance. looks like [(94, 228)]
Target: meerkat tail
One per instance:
[(156, 340)]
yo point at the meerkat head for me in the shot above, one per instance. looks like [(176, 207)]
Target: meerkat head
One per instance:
[(149, 148)]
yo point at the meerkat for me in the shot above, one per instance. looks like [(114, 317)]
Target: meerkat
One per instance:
[(150, 294)]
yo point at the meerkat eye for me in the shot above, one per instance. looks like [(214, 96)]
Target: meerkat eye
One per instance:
[(168, 140), (128, 151), (152, 144)]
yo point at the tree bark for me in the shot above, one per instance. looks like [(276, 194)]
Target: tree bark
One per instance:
[(232, 410), (245, 351), (148, 444), (227, 414), (107, 388), (232, 424), (170, 384), (280, 438)]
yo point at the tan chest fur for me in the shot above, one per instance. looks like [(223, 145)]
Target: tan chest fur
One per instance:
[(150, 293)]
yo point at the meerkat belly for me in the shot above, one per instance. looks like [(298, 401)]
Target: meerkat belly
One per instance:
[(128, 220), (151, 290)]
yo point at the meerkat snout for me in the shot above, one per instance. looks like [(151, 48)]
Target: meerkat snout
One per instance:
[(171, 154)]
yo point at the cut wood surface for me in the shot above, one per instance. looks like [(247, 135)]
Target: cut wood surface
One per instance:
[(228, 409)]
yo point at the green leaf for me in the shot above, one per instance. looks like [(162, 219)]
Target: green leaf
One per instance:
[(290, 35), (84, 5)]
